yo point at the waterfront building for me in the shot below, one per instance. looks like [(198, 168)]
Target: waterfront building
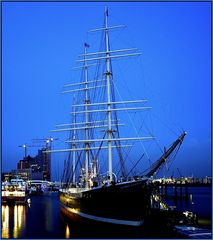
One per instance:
[(47, 167), (7, 176), (35, 168), (24, 173), (23, 164)]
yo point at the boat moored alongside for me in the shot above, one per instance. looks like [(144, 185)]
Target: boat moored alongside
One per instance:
[(14, 192)]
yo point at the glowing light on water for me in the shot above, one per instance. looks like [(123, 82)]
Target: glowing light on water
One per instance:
[(67, 233), (190, 197), (15, 229), (5, 222), (19, 220)]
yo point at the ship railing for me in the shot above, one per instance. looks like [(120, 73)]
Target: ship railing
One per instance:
[(72, 190)]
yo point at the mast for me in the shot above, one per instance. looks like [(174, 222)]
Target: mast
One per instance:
[(86, 116), (109, 106), (156, 165), (74, 145), (108, 79)]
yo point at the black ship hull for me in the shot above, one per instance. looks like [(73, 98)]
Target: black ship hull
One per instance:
[(123, 203)]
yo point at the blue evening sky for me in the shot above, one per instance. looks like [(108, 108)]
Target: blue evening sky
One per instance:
[(41, 41)]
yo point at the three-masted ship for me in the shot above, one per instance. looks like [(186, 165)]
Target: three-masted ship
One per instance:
[(95, 142)]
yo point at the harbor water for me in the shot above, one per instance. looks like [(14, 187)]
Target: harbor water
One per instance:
[(42, 218)]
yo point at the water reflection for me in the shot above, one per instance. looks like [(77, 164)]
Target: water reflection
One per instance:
[(49, 214), (67, 233), (19, 220), (44, 219), (38, 219), (14, 218), (5, 222), (191, 199)]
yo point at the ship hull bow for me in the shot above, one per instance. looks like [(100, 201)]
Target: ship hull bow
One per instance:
[(123, 203)]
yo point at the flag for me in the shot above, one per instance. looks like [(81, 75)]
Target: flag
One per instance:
[(106, 11), (86, 45)]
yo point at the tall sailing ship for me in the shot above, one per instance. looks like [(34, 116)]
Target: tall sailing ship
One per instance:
[(92, 188)]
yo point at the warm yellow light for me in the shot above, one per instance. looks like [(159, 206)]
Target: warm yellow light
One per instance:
[(5, 222), (15, 228), (20, 215), (67, 233), (19, 220)]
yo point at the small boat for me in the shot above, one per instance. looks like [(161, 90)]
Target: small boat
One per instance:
[(90, 190), (14, 192), (35, 190), (38, 187)]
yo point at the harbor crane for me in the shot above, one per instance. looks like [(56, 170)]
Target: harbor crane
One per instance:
[(48, 141), (47, 162), (26, 146)]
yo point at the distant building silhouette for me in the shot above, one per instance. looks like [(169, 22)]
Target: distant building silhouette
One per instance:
[(23, 164), (38, 167)]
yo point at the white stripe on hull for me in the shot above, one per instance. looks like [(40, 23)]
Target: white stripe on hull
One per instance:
[(107, 220)]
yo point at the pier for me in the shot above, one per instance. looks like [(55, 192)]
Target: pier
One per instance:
[(176, 190), (179, 188)]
